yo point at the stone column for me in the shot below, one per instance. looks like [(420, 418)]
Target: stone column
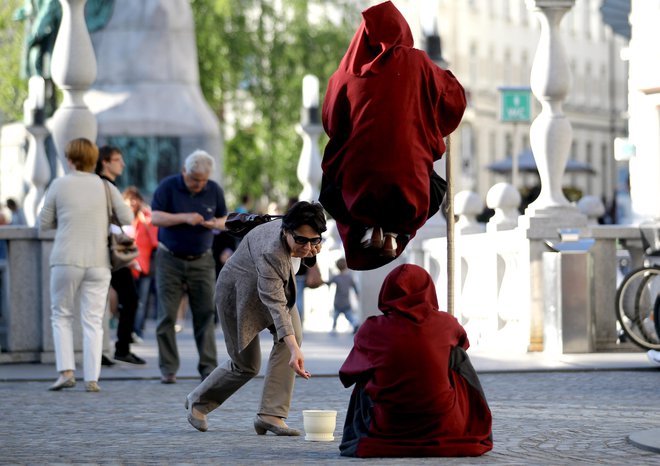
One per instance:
[(551, 132), (309, 165), (550, 138), (73, 70), (36, 172)]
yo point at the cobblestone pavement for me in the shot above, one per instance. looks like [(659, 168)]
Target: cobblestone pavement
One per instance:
[(539, 418)]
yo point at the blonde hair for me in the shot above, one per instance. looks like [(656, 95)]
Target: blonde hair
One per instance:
[(83, 154)]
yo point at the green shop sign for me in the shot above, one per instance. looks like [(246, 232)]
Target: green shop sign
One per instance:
[(516, 104)]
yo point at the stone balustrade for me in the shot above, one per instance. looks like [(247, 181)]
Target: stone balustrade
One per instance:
[(492, 299), (24, 308)]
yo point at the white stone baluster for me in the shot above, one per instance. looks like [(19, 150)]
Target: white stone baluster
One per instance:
[(504, 198), (309, 165), (468, 205), (73, 70), (551, 132), (36, 172)]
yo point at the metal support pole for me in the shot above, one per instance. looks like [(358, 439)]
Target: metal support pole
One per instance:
[(449, 212)]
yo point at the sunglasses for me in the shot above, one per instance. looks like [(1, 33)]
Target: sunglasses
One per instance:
[(304, 240)]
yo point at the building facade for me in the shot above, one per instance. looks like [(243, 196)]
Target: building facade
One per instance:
[(490, 44)]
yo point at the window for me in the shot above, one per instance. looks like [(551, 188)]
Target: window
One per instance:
[(473, 66), (507, 69), (467, 150), (525, 71), (508, 145)]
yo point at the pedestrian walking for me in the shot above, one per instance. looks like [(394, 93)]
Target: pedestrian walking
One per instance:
[(75, 206), (344, 283), (109, 167)]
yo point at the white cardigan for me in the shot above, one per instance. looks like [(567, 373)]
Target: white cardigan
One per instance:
[(75, 206)]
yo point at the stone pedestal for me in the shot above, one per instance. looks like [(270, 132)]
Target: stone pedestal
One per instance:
[(146, 97)]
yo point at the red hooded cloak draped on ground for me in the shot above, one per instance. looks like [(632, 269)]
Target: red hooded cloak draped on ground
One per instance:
[(416, 392), (386, 110)]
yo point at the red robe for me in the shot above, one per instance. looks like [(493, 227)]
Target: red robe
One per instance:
[(386, 111), (416, 393)]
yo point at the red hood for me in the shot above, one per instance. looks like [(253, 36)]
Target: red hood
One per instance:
[(408, 290), (382, 29)]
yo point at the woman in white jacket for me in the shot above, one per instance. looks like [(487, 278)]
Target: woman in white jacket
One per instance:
[(75, 206)]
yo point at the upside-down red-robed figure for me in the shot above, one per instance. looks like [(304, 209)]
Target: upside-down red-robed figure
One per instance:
[(416, 392), (386, 111)]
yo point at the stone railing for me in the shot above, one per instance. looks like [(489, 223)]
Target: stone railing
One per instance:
[(492, 277), (25, 330), (492, 286)]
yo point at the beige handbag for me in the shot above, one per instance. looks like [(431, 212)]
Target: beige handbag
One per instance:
[(121, 246)]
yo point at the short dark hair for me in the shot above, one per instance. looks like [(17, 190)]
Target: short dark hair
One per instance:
[(305, 213), (105, 154)]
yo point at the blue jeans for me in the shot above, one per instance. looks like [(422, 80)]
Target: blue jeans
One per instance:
[(144, 285), (348, 313)]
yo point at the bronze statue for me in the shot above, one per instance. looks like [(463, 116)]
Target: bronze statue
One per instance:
[(42, 23)]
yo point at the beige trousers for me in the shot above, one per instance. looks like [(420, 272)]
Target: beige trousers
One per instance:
[(242, 366)]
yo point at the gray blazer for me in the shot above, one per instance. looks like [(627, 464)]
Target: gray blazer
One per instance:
[(256, 287)]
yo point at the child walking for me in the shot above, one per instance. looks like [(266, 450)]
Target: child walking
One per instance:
[(343, 284)]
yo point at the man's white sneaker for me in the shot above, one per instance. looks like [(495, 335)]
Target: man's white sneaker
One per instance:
[(654, 356)]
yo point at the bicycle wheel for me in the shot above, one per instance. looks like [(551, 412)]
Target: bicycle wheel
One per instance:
[(637, 303)]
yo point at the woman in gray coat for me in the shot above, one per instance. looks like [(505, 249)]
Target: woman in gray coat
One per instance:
[(256, 289)]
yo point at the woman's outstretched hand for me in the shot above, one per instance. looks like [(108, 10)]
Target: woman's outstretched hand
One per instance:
[(297, 361)]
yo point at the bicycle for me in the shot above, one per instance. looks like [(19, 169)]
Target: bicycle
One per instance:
[(638, 296)]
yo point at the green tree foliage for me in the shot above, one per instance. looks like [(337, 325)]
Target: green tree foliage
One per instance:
[(252, 58), (13, 90)]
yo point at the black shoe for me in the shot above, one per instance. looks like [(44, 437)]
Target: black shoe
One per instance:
[(130, 358), (106, 361)]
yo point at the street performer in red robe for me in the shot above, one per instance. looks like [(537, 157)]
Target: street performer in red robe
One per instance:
[(416, 393), (386, 111)]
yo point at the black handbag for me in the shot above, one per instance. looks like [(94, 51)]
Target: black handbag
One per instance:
[(122, 247), (240, 224)]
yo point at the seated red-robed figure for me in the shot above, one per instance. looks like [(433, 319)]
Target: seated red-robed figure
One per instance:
[(416, 392), (386, 111)]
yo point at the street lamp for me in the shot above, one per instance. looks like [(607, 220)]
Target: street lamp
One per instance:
[(429, 26)]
